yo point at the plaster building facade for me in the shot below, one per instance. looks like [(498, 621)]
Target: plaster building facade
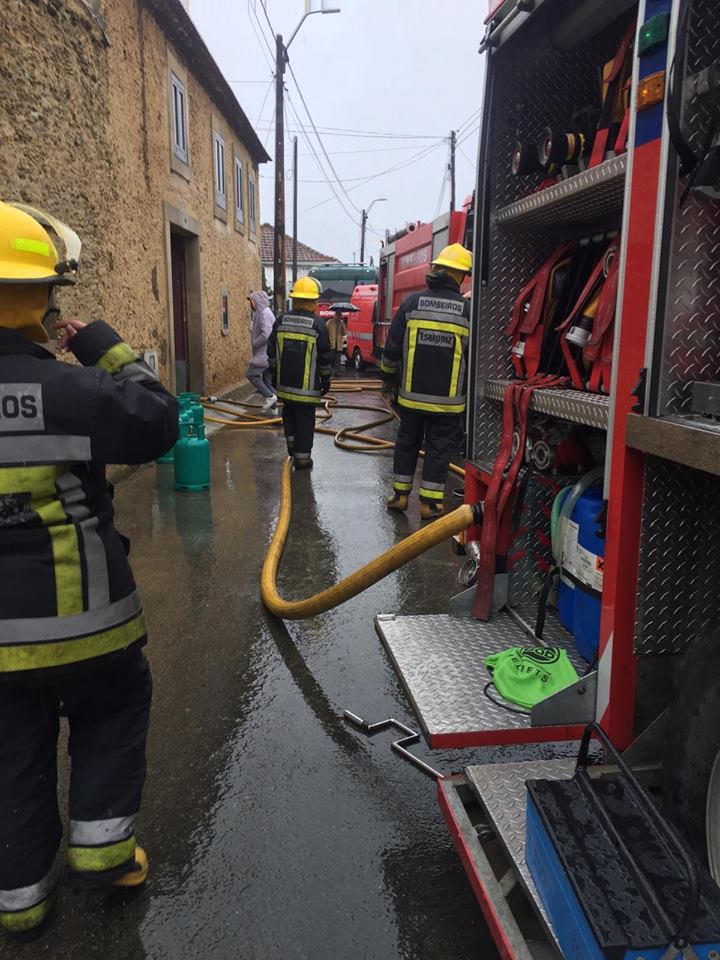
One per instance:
[(115, 118)]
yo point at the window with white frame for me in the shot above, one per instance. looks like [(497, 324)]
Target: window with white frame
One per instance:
[(179, 119), (251, 203), (239, 183), (220, 186)]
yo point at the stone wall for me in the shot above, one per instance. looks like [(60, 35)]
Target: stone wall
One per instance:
[(85, 132), (54, 120)]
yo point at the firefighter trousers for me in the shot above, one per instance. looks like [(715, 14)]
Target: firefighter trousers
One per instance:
[(107, 705), (438, 434), (299, 428)]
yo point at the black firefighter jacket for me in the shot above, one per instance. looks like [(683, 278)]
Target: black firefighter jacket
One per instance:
[(427, 348), (67, 593), (299, 353)]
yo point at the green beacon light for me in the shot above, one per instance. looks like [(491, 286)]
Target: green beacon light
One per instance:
[(653, 34)]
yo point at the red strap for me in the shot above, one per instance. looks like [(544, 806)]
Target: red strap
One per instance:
[(533, 317), (528, 328), (605, 313), (622, 137), (538, 288), (603, 134), (582, 301), (599, 147), (486, 564), (500, 496)]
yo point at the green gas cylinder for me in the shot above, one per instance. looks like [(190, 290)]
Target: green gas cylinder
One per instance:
[(192, 452), (185, 401)]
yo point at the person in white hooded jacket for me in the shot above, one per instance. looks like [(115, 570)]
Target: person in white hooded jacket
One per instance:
[(262, 321)]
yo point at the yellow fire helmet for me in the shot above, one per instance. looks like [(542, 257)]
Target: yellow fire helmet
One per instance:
[(455, 257), (306, 288), (28, 253)]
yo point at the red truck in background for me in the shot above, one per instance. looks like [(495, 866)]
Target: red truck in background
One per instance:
[(362, 326), (404, 262)]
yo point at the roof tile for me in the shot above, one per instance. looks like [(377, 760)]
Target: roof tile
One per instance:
[(305, 254)]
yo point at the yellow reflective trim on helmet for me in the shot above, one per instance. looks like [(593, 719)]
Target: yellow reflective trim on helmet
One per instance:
[(117, 357), (20, 920), (25, 245), (98, 859), (34, 656)]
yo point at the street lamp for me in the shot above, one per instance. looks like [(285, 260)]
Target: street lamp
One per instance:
[(281, 58), (364, 220)]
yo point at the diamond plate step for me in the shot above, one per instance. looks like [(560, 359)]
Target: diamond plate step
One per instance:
[(439, 660), (500, 787)]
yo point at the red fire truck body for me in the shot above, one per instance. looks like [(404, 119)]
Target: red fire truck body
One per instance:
[(637, 213), (405, 259)]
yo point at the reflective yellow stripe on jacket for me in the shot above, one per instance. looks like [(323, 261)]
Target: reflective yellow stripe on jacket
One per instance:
[(453, 400), (74, 633)]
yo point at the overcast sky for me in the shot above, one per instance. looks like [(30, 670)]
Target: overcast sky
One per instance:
[(406, 68)]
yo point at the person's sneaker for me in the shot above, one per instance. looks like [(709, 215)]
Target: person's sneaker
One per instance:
[(138, 875), (302, 463), (431, 510), (397, 502), (269, 406)]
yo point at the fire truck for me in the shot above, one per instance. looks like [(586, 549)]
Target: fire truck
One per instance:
[(403, 264), (594, 383)]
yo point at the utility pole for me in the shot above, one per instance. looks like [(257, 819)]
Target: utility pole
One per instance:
[(279, 257), (295, 198), (452, 170), (363, 225), (279, 265)]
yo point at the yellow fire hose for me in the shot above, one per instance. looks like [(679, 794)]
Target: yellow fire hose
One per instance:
[(349, 439), (389, 561)]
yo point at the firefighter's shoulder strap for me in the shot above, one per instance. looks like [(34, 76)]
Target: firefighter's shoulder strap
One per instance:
[(526, 323), (501, 489)]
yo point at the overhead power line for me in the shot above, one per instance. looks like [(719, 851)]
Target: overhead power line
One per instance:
[(267, 94), (319, 165), (267, 17), (443, 187), (260, 35), (466, 156), (319, 140), (398, 166)]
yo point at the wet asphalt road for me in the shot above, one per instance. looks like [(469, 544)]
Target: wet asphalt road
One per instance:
[(273, 829)]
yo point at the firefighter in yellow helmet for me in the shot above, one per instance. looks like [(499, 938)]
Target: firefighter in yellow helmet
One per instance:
[(71, 619), (300, 359), (426, 356)]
